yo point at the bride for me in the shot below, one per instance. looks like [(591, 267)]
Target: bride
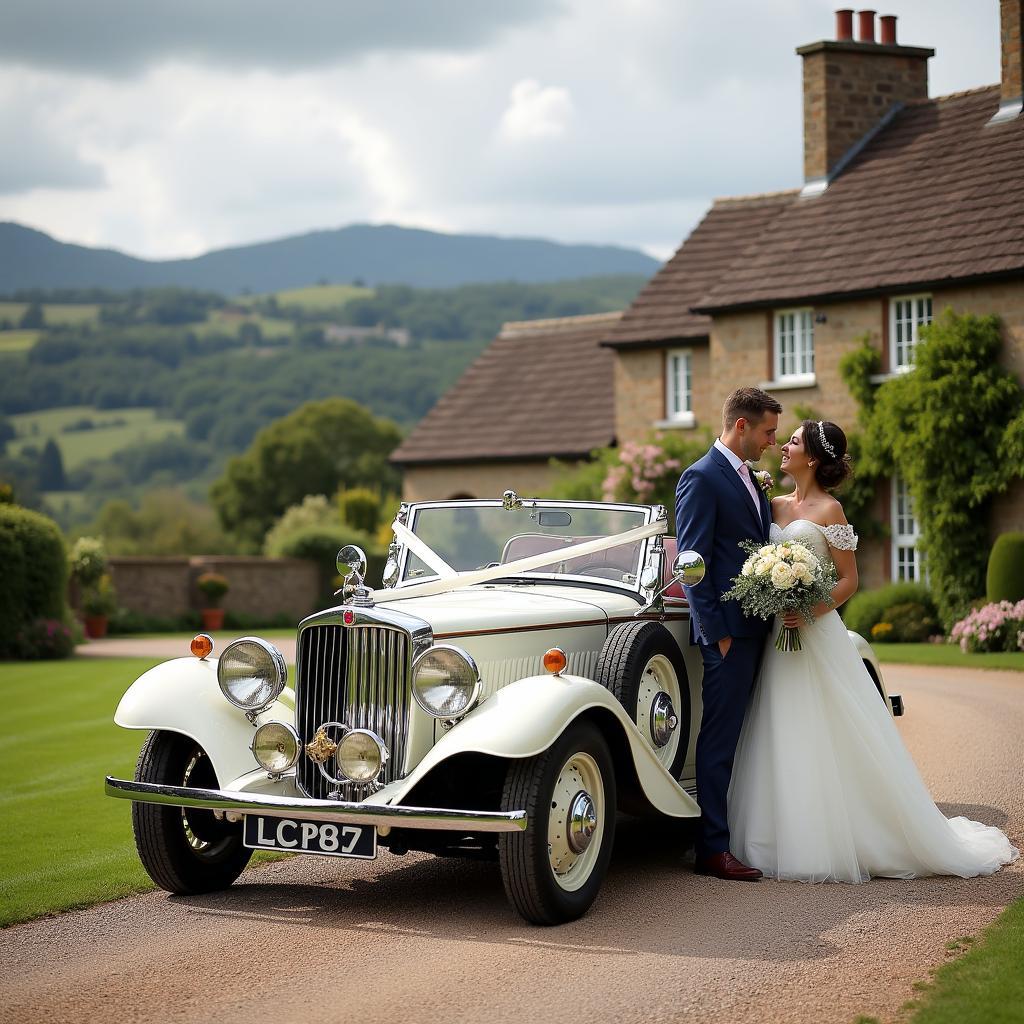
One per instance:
[(823, 788)]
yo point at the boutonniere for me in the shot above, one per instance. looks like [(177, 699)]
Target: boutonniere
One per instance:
[(764, 481)]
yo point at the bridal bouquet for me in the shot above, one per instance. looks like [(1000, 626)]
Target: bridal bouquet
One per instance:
[(781, 578)]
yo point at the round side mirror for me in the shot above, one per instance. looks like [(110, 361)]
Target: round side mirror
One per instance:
[(351, 560), (688, 568)]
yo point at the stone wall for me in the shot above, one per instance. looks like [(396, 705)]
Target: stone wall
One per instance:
[(261, 588)]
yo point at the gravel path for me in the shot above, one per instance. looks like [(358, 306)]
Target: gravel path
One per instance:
[(419, 939)]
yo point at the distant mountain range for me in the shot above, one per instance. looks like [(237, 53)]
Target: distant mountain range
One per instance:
[(376, 255)]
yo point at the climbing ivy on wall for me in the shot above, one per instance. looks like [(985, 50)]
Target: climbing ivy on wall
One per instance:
[(953, 428)]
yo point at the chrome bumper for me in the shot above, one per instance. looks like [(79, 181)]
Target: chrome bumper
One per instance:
[(379, 815)]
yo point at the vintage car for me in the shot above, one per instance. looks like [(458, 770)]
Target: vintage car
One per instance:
[(524, 674)]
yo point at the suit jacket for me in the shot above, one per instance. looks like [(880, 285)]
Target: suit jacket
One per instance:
[(714, 513)]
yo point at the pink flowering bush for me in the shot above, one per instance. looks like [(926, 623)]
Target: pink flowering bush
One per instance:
[(993, 627)]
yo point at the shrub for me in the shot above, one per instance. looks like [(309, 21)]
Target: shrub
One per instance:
[(993, 627), (100, 598), (313, 510), (45, 639), (881, 631), (213, 587), (320, 544), (1004, 580), (869, 607), (360, 508), (35, 575), (911, 622)]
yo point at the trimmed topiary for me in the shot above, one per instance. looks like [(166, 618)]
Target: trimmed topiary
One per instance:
[(869, 607), (35, 571), (1004, 580)]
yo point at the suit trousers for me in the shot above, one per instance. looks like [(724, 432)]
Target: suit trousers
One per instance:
[(726, 690)]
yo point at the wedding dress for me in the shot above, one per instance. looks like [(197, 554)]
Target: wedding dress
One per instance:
[(823, 788)]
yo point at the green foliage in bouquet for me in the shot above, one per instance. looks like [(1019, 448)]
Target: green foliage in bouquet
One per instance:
[(780, 578)]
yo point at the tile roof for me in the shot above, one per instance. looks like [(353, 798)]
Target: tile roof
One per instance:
[(936, 195), (662, 310), (542, 388)]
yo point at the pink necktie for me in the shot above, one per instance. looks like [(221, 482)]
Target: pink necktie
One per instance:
[(744, 472)]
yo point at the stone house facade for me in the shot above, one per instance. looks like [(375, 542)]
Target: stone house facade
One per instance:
[(910, 204)]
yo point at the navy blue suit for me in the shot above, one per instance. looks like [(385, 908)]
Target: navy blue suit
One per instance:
[(714, 513)]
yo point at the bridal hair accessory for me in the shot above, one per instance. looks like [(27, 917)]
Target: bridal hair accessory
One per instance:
[(824, 443)]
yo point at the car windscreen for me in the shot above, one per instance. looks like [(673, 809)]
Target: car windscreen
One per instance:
[(475, 536)]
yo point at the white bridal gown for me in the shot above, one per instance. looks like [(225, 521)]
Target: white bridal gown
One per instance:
[(823, 788)]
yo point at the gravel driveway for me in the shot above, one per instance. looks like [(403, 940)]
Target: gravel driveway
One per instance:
[(417, 939)]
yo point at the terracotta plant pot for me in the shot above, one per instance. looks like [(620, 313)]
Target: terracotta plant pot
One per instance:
[(95, 626), (213, 618)]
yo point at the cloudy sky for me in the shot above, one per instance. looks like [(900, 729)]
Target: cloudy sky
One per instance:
[(169, 128)]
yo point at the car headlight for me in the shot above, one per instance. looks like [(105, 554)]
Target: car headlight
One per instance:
[(251, 673), (445, 681), (275, 746), (361, 755)]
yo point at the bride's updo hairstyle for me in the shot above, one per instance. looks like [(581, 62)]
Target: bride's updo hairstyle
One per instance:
[(825, 442)]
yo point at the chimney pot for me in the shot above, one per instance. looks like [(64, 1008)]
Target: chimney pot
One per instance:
[(844, 25), (888, 29), (866, 26)]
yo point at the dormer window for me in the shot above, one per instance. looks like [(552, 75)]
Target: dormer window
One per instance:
[(907, 315), (794, 346)]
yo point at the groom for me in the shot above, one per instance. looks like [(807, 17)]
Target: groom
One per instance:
[(718, 505)]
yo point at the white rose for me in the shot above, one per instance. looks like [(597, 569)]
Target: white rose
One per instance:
[(768, 549), (802, 554), (802, 573), (782, 577), (762, 567), (748, 568)]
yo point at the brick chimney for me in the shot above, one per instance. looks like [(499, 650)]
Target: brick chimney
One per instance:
[(849, 87), (1011, 93)]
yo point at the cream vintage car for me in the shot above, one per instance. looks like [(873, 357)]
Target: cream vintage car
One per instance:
[(524, 675)]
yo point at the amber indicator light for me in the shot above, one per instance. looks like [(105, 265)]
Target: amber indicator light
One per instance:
[(555, 660), (202, 645)]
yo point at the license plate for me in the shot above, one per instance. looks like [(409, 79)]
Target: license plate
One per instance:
[(297, 836)]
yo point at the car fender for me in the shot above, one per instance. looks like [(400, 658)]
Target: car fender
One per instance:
[(183, 696), (527, 716)]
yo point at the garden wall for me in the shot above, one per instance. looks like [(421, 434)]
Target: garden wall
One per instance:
[(260, 587)]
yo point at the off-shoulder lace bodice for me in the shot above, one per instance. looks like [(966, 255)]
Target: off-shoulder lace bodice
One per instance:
[(817, 538)]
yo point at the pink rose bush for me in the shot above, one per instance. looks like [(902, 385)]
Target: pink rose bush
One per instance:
[(993, 627), (642, 470)]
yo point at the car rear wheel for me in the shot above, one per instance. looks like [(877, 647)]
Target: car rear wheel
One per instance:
[(641, 664), (184, 850), (553, 871)]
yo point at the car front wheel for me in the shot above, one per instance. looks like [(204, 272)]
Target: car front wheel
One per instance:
[(184, 850), (554, 870)]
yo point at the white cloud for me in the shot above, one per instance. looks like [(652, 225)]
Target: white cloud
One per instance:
[(536, 112), (606, 122)]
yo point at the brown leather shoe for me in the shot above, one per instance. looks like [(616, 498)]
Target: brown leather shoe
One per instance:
[(725, 865)]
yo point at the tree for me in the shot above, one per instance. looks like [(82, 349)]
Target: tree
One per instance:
[(315, 450), (947, 427), (32, 319), (51, 468)]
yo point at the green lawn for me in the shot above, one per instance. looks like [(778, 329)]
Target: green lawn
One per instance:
[(946, 654), (79, 446), (66, 844), (986, 984), (220, 322)]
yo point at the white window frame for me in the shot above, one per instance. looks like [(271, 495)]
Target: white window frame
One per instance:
[(679, 388), (907, 314), (793, 357), (907, 560)]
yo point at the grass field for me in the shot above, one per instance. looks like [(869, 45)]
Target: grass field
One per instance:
[(81, 445), (322, 297), (220, 322), (54, 315), (65, 843), (18, 341), (946, 654)]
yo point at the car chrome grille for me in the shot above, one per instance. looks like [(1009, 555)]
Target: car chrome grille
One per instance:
[(358, 676)]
